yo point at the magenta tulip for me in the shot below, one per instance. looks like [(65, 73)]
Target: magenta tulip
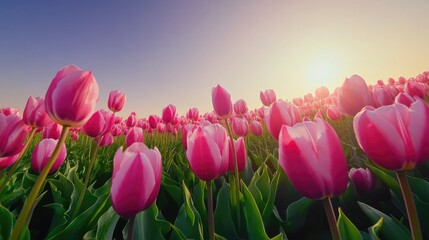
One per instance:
[(256, 128), (72, 96), (43, 152), (333, 113), (312, 156), (240, 149), (267, 97), (414, 89), (281, 113), (240, 127), (405, 99), (322, 92), (362, 178), (208, 151), (6, 162), (240, 107), (168, 113), (106, 140), (52, 130), (153, 121), (116, 100), (395, 136), (188, 128), (135, 134), (222, 103), (35, 114), (131, 120), (354, 95), (193, 114), (136, 179), (10, 111), (13, 132), (100, 123)]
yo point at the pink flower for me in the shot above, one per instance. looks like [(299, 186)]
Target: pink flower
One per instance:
[(354, 95), (240, 126), (131, 120), (333, 113), (52, 130), (106, 140), (222, 103), (72, 96), (394, 136), (116, 100), (193, 114), (414, 89), (6, 162), (136, 179), (168, 113), (208, 151), (322, 92), (35, 114), (240, 107), (43, 152), (13, 132), (281, 113), (362, 179), (240, 149), (256, 128), (153, 121), (100, 123), (311, 155), (135, 134), (267, 97)]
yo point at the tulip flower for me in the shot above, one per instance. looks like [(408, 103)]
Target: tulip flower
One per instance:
[(153, 121), (135, 134), (414, 89), (168, 113), (362, 178), (322, 92), (281, 113), (256, 128), (333, 113), (106, 140), (240, 126), (404, 98), (222, 103), (6, 162), (131, 120), (100, 123), (116, 100), (240, 107), (267, 97), (354, 95), (13, 132), (72, 96), (35, 114), (52, 130), (240, 149), (136, 179), (10, 111), (43, 152)]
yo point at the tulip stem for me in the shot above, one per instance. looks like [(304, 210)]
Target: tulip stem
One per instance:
[(21, 155), (23, 220), (410, 205), (87, 177), (210, 210), (331, 218), (131, 227)]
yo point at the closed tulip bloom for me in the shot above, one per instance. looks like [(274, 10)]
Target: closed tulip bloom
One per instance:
[(353, 95), (414, 89), (10, 111), (188, 128), (322, 92), (382, 96), (131, 120), (135, 134), (153, 121), (100, 123), (267, 97), (395, 136), (52, 130), (168, 113), (208, 151), (136, 179), (404, 98), (13, 132), (106, 140), (6, 162), (240, 149), (193, 114), (281, 113), (161, 127), (333, 113), (222, 103), (74, 136), (240, 107), (72, 96), (256, 128), (43, 152), (35, 114), (240, 127), (312, 156), (116, 100), (362, 178)]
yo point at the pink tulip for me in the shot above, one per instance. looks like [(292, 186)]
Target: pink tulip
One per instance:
[(281, 113), (116, 100), (168, 113), (382, 96), (135, 134), (52, 130), (322, 92), (353, 95), (136, 179), (208, 151), (193, 114), (10, 111), (188, 128), (161, 127), (333, 113), (267, 97), (256, 128), (311, 155), (153, 121), (240, 107), (13, 132), (131, 120), (43, 152), (106, 140), (395, 136), (362, 178), (35, 114), (405, 99), (100, 123), (240, 126), (221, 100), (116, 130), (240, 149), (74, 136), (414, 89), (72, 96), (6, 162)]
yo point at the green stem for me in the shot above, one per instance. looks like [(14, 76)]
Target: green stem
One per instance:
[(87, 177), (210, 215), (410, 205), (331, 218), (21, 155), (131, 227), (23, 220)]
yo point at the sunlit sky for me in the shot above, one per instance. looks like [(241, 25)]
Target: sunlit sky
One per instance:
[(162, 52)]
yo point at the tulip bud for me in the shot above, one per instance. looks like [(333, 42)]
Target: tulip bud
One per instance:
[(322, 92), (256, 128), (135, 134), (43, 152), (362, 179), (116, 100), (99, 123), (13, 132), (240, 107), (240, 149), (6, 162), (222, 103), (281, 113), (240, 127), (267, 97), (52, 130), (168, 113), (106, 140), (35, 114), (353, 95)]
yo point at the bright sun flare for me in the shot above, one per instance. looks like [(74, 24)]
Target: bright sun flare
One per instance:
[(322, 72)]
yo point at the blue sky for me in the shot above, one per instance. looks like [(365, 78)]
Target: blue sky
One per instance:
[(162, 52)]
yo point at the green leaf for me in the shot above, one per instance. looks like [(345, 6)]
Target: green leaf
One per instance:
[(6, 223), (270, 220), (150, 225), (296, 214), (391, 229), (347, 229), (173, 189), (106, 224), (386, 177), (374, 229), (224, 224)]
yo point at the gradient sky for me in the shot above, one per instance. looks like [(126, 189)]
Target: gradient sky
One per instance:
[(162, 52)]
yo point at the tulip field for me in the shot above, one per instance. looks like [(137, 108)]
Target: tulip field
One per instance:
[(347, 164)]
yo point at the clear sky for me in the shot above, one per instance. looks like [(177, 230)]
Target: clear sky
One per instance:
[(162, 52)]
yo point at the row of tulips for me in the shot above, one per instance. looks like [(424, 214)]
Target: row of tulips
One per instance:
[(356, 123)]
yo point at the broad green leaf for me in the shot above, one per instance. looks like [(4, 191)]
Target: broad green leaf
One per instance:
[(6, 223), (296, 214), (270, 220), (173, 189), (106, 224), (347, 229), (374, 229), (224, 224)]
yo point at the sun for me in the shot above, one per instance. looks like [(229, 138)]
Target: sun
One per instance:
[(322, 71)]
